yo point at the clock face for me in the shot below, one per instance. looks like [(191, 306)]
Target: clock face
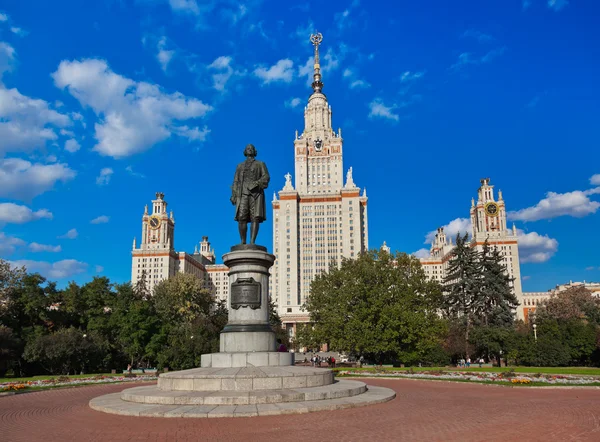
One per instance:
[(491, 209), (318, 144), (154, 222)]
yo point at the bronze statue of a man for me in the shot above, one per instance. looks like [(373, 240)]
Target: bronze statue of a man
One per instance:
[(248, 194)]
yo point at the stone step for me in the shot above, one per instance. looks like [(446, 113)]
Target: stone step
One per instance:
[(244, 378), (153, 395), (112, 403)]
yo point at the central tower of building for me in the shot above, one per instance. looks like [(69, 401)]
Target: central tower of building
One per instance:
[(320, 220)]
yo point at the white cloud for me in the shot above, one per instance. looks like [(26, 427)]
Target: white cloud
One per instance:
[(3, 17), (359, 84), (133, 116), (293, 102), (236, 14), (494, 53), (133, 173), (102, 219), (283, 71), (16, 214), (185, 6), (25, 123), (306, 70), (72, 146), (222, 71), (56, 270), (7, 57), (467, 58), (353, 81), (592, 268), (23, 180), (411, 76), (575, 204), (36, 248), (71, 234), (99, 269), (534, 247), (526, 278), (343, 19), (557, 5), (104, 177), (595, 180), (8, 244), (18, 31), (477, 35), (164, 55), (192, 133), (454, 227), (377, 109), (421, 253), (303, 33)]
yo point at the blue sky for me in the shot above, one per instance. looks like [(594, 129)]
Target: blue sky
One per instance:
[(104, 103)]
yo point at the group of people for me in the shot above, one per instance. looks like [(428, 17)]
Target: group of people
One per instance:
[(467, 363), (317, 361)]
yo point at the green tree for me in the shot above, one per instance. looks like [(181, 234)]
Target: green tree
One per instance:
[(9, 347), (573, 303), (378, 305), (134, 322), (191, 321), (496, 301), (277, 325), (181, 298), (66, 351), (462, 285)]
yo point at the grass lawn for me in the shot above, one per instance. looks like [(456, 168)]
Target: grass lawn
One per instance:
[(591, 371), (41, 378)]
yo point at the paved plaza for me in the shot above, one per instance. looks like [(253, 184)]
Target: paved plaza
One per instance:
[(422, 410)]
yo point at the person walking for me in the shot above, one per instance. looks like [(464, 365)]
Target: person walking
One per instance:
[(468, 362)]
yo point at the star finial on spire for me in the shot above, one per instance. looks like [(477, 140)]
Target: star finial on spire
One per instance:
[(316, 40)]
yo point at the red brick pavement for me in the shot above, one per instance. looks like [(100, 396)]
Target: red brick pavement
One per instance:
[(422, 410)]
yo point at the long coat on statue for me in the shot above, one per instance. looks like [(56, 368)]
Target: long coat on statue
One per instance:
[(250, 181)]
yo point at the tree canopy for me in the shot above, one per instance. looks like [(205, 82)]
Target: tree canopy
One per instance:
[(378, 305)]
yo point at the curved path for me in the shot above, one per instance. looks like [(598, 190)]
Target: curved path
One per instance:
[(422, 410)]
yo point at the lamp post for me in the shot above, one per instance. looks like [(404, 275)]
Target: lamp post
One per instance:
[(535, 332)]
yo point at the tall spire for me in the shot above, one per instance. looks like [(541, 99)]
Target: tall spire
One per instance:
[(316, 40)]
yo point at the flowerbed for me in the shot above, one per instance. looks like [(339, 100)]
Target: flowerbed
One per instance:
[(502, 377), (65, 380)]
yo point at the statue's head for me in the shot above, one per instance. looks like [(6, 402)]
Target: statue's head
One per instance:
[(250, 151)]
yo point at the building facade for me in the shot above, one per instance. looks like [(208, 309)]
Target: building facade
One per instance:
[(319, 219), (532, 299), (156, 259), (488, 220)]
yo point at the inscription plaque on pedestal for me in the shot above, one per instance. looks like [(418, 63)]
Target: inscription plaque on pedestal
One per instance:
[(245, 292)]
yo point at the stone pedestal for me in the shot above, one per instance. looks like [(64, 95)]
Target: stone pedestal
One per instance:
[(248, 377), (248, 328)]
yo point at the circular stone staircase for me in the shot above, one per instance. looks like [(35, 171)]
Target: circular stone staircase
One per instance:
[(241, 391)]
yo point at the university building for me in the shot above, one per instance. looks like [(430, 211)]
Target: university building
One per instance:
[(532, 299), (321, 217), (156, 258), (488, 220)]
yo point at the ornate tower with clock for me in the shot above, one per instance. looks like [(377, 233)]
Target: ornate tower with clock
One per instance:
[(156, 259), (488, 220), (488, 216), (158, 228), (323, 218)]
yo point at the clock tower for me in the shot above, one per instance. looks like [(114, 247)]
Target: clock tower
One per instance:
[(488, 216), (323, 218), (158, 228)]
